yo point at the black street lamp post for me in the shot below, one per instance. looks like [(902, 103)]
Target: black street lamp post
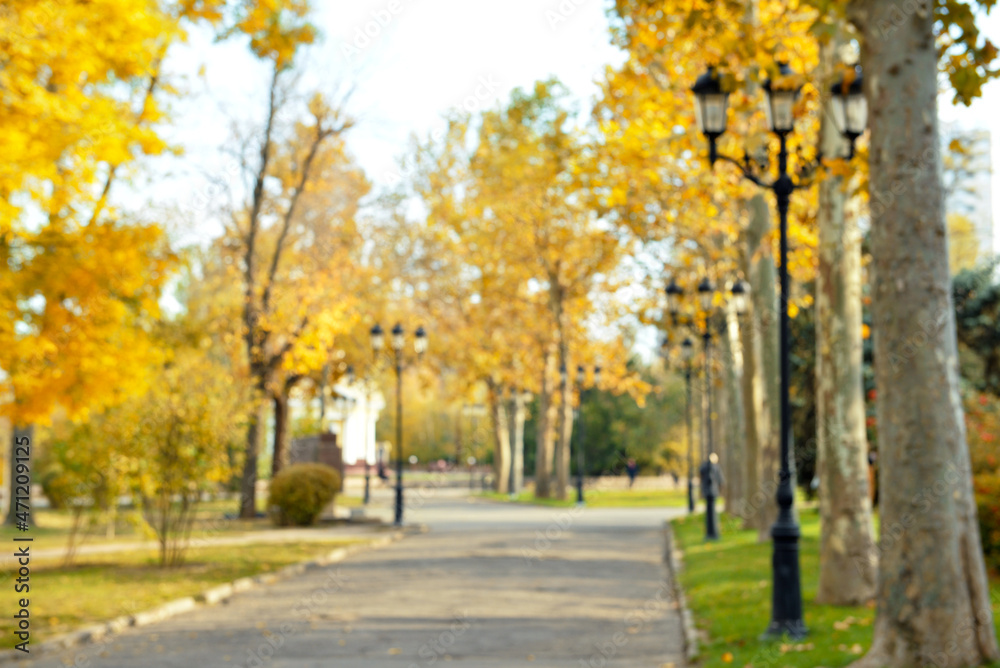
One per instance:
[(850, 114), (674, 294), (581, 378), (706, 292), (398, 341), (687, 353), (709, 474)]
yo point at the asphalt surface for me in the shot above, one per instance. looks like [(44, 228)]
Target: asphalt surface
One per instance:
[(485, 584)]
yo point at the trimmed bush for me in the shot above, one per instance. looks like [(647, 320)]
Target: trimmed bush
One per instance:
[(300, 492)]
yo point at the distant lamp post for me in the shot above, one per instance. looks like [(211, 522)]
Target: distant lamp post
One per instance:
[(708, 470), (674, 295), (398, 342), (687, 354), (851, 113), (581, 380)]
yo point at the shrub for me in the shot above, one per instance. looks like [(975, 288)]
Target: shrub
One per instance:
[(987, 488), (300, 492)]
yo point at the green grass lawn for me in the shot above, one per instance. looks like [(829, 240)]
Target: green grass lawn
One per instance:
[(106, 586), (611, 498), (728, 588), (50, 528)]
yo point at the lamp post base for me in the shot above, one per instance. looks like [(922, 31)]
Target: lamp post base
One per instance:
[(711, 526), (368, 493), (399, 505), (795, 629), (786, 596)]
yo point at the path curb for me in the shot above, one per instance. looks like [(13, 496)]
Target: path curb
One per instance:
[(674, 560), (212, 596)]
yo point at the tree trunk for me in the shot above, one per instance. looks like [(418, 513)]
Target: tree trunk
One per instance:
[(564, 437), (755, 496), (847, 561), (565, 428), (279, 459), (248, 485), (23, 436), (501, 438), (932, 591), (761, 507), (543, 431), (517, 443), (731, 407)]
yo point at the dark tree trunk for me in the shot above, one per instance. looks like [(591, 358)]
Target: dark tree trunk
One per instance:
[(23, 434), (248, 486), (279, 459)]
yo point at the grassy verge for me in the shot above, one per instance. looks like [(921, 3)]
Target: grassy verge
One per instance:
[(728, 587), (103, 587), (213, 519), (610, 498)]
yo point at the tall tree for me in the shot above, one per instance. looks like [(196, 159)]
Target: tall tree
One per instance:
[(933, 597), (264, 227), (84, 92), (847, 556), (529, 165)]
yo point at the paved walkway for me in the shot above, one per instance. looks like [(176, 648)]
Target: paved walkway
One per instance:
[(487, 585)]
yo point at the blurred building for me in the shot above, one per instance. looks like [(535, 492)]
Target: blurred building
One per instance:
[(352, 418), (968, 180)]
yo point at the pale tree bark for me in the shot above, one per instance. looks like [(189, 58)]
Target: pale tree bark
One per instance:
[(565, 428), (847, 561), (762, 276), (544, 448), (932, 590), (501, 437), (734, 429), (754, 495), (720, 410), (517, 441)]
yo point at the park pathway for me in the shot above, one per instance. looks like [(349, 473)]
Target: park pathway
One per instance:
[(486, 584)]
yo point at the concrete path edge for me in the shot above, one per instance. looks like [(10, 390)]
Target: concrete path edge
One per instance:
[(674, 560), (211, 596)]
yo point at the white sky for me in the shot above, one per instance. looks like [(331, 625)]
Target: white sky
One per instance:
[(419, 59)]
